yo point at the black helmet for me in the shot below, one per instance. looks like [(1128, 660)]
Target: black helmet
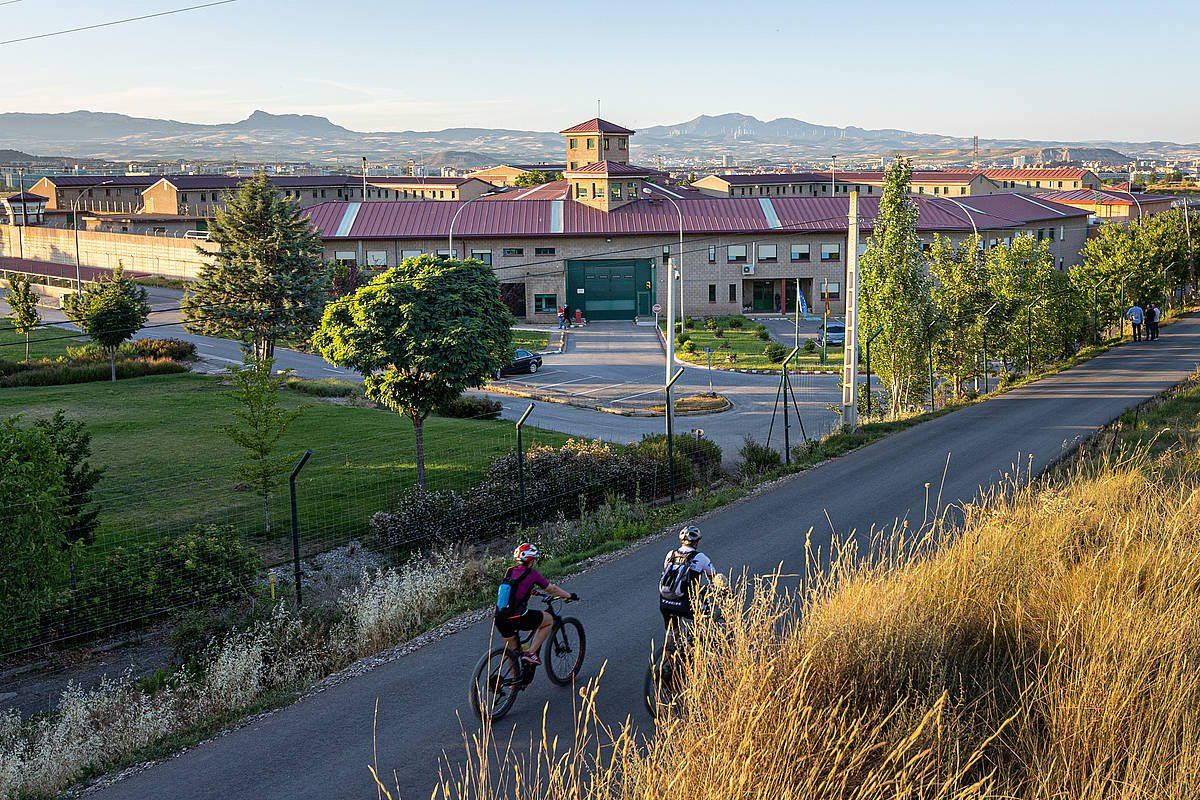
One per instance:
[(689, 535)]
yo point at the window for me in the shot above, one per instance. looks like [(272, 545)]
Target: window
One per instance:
[(736, 254), (831, 290), (1060, 184), (572, 143), (543, 251), (831, 252), (203, 199), (573, 163), (768, 252), (482, 255), (409, 253), (962, 190), (800, 252), (447, 254), (580, 191), (1062, 233), (322, 194), (377, 258), (314, 194), (712, 254), (513, 251), (345, 256), (182, 197), (712, 293), (733, 292), (108, 192), (605, 142), (614, 191), (591, 144), (545, 303), (935, 190), (596, 191), (666, 254), (622, 143), (870, 190)]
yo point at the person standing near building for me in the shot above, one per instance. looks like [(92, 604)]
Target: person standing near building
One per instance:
[(1153, 315), (1136, 316), (562, 318)]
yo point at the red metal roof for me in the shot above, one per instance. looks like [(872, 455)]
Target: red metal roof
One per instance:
[(740, 179), (555, 190), (921, 176), (1105, 197), (418, 180), (610, 168), (536, 218), (597, 125), (1033, 174), (88, 181)]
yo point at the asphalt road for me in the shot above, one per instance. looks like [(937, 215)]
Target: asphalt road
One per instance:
[(319, 748)]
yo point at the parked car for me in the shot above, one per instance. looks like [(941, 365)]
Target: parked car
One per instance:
[(836, 331), (524, 361)]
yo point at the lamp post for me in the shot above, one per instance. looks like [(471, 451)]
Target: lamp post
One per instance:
[(1121, 302), (867, 352), (1029, 334), (75, 225), (1096, 312), (457, 211), (984, 316), (929, 342), (678, 264), (966, 211)]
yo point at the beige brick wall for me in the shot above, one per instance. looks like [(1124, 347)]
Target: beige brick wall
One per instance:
[(168, 257)]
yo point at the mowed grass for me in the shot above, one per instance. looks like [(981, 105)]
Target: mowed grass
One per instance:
[(169, 464), (48, 342), (530, 340), (748, 347)]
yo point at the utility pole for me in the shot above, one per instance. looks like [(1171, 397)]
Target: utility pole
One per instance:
[(850, 348), (1187, 227), (832, 175), (364, 178), (824, 318), (669, 411)]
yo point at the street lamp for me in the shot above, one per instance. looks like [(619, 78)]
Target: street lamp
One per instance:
[(682, 316), (984, 316), (75, 225), (1029, 334), (867, 350), (966, 211), (457, 211)]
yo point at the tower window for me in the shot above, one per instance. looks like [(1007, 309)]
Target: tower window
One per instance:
[(622, 143), (572, 143), (591, 144), (606, 143)]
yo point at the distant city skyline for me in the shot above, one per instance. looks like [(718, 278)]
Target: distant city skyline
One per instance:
[(371, 65)]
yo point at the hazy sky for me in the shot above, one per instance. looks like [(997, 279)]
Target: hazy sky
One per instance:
[(1042, 70)]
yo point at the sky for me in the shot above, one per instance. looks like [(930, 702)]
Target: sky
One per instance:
[(1046, 70)]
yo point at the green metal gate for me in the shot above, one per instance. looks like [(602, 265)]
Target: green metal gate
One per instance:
[(610, 288)]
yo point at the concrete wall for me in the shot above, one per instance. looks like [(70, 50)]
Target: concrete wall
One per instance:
[(168, 257)]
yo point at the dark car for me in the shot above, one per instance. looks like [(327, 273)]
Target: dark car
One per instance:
[(836, 331), (524, 361)]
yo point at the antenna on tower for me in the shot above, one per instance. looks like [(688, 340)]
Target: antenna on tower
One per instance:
[(597, 109), (975, 147)]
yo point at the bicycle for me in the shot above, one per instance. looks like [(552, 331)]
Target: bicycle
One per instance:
[(501, 674), (663, 687)]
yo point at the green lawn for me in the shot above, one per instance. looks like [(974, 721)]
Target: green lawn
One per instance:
[(170, 466), (43, 342), (531, 340), (746, 344)]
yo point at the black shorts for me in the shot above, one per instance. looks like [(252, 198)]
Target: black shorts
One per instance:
[(531, 620)]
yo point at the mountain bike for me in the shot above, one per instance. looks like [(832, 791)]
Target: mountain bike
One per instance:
[(663, 688), (502, 674)]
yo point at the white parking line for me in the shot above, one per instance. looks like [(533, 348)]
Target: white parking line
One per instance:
[(564, 383), (639, 394), (519, 378), (601, 389)]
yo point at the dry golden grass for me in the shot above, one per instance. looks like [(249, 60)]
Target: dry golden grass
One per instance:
[(1049, 650)]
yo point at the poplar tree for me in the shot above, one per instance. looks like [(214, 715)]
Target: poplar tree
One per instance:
[(268, 281), (23, 301), (894, 292)]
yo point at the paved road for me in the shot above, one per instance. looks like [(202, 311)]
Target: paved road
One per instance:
[(621, 365), (319, 748)]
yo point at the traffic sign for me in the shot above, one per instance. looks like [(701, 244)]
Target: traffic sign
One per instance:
[(657, 308)]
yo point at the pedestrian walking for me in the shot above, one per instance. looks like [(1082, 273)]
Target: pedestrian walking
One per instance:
[(1153, 315), (1136, 317), (562, 318)]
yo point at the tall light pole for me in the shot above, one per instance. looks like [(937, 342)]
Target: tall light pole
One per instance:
[(966, 211), (364, 178), (850, 345), (24, 218), (833, 175), (679, 264), (457, 211), (671, 377), (75, 225)]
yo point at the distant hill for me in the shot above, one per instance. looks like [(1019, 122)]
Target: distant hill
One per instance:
[(299, 137)]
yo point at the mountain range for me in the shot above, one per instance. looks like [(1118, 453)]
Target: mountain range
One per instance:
[(263, 136)]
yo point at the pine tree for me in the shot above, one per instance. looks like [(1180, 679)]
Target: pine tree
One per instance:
[(268, 282)]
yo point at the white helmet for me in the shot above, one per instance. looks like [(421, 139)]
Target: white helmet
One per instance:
[(525, 553), (689, 535)]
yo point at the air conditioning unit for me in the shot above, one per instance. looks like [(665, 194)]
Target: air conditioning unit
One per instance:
[(747, 269)]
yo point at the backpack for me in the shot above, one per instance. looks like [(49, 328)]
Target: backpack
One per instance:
[(507, 603), (676, 581)]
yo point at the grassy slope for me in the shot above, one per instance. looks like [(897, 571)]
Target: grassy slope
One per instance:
[(44, 342), (170, 466), (531, 340)]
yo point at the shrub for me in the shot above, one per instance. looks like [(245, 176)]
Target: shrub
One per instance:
[(702, 456), (775, 352), (689, 323), (64, 374), (422, 515), (718, 331), (758, 459), (174, 349), (736, 322), (711, 323), (809, 346), (681, 339), (678, 328), (688, 346), (472, 407), (323, 387), (761, 332)]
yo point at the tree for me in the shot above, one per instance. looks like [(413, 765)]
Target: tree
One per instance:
[(960, 293), (268, 282), (894, 292), (420, 334), (23, 301), (536, 177), (31, 529), (260, 425), (110, 311), (73, 444)]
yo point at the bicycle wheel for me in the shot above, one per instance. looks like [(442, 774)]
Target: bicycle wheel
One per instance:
[(564, 650), (493, 688)]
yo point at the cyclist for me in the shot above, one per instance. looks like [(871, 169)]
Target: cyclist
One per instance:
[(681, 570), (512, 603)]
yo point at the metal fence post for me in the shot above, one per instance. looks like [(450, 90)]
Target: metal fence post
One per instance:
[(867, 351), (929, 343), (521, 463), (296, 521)]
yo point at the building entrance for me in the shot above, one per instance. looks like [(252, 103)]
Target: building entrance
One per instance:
[(610, 288)]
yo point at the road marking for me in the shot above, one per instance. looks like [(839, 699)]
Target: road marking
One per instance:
[(639, 394), (222, 358), (519, 378), (564, 383), (601, 388)]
